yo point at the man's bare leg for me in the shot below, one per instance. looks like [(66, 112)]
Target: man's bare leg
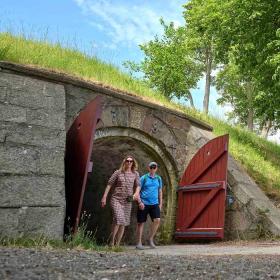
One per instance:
[(153, 231), (139, 233)]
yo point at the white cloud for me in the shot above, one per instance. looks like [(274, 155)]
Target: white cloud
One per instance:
[(97, 25), (130, 23)]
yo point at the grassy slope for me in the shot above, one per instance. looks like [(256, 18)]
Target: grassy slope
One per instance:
[(259, 157)]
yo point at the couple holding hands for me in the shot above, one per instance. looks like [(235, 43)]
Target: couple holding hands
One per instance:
[(148, 195)]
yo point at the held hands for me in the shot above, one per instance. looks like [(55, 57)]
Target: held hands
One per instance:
[(136, 196), (141, 205)]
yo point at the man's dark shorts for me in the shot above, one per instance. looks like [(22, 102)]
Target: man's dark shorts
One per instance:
[(152, 210)]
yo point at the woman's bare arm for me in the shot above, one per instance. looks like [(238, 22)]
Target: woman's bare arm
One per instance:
[(104, 197)]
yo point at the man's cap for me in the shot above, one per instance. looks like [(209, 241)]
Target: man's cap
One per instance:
[(152, 163)]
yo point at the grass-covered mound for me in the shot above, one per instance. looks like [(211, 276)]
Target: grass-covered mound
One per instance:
[(259, 157)]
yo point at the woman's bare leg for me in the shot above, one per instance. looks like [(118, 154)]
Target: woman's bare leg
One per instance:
[(119, 235), (114, 231)]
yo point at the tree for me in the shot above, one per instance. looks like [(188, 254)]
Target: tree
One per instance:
[(240, 93), (246, 34), (201, 41), (167, 66)]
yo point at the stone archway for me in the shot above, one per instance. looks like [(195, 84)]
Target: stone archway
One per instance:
[(110, 146)]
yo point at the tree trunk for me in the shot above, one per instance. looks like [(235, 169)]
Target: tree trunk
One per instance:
[(191, 101), (250, 117), (265, 129), (208, 61)]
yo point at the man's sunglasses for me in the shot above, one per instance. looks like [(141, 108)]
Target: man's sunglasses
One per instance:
[(153, 167), (129, 160)]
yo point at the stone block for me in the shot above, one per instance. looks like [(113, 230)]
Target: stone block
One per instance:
[(51, 162), (3, 93), (32, 135), (31, 160), (137, 115), (32, 222), (17, 191), (2, 135), (197, 137), (46, 117), (12, 113), (47, 221), (181, 136), (260, 207), (236, 174), (18, 160), (178, 123), (157, 128), (265, 211), (10, 80), (76, 99), (240, 221), (274, 224), (239, 192), (9, 222), (115, 116), (33, 93)]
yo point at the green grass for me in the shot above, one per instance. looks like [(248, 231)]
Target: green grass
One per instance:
[(43, 54), (83, 240), (259, 157)]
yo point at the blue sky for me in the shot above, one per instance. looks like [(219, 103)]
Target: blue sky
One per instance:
[(110, 30)]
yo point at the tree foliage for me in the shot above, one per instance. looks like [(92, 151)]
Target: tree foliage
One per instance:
[(241, 94), (246, 44), (167, 66), (241, 38)]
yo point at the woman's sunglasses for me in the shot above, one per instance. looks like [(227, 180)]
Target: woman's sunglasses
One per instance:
[(153, 167), (128, 160)]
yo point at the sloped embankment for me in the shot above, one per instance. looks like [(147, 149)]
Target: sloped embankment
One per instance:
[(260, 158)]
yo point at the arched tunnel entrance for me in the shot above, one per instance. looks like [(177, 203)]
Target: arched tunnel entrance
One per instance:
[(109, 148)]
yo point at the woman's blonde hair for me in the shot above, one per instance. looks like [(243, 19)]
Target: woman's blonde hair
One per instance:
[(134, 166)]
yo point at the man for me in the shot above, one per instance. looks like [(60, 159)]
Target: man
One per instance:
[(149, 196)]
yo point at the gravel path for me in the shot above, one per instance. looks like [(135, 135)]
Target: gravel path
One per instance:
[(72, 264), (216, 249)]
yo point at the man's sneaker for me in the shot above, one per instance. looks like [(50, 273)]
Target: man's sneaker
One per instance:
[(152, 244), (140, 247)]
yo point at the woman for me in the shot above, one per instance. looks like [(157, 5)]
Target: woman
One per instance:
[(122, 183)]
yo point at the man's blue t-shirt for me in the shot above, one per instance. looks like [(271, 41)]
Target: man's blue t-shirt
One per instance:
[(149, 189)]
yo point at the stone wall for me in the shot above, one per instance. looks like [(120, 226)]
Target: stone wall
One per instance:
[(32, 143), (252, 215), (148, 131)]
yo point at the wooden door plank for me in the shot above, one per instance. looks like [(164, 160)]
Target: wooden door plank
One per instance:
[(206, 165), (200, 208)]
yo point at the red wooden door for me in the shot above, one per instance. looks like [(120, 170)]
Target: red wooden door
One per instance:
[(79, 141), (202, 193)]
